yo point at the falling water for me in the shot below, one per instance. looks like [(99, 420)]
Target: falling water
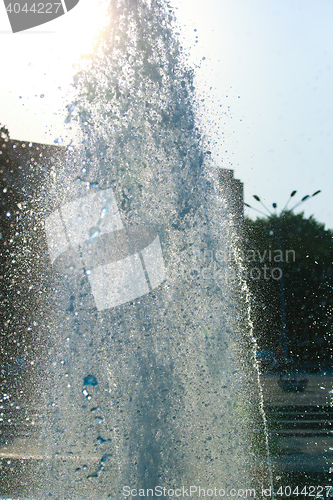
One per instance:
[(151, 367)]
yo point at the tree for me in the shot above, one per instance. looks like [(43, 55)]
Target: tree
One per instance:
[(289, 259)]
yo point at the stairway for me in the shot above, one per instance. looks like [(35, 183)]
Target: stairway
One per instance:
[(301, 438), (16, 422)]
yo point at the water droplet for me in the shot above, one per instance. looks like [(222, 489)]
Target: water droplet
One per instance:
[(93, 410), (58, 141), (85, 392), (94, 474), (93, 233), (71, 107), (99, 420), (42, 95), (100, 440), (90, 380)]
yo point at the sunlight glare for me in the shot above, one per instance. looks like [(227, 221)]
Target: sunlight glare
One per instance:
[(80, 29), (39, 65)]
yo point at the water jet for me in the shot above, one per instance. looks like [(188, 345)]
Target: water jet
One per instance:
[(150, 378)]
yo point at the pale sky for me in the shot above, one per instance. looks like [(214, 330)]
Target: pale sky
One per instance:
[(266, 81)]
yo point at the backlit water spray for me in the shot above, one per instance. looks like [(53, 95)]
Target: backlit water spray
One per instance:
[(154, 382)]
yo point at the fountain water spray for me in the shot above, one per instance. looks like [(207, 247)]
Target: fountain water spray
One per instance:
[(148, 388)]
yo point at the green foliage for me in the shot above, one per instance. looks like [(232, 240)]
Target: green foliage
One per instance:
[(301, 249)]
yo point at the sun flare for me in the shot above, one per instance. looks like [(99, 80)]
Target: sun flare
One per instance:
[(80, 29), (39, 65)]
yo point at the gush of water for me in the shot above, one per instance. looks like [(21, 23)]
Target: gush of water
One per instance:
[(153, 381)]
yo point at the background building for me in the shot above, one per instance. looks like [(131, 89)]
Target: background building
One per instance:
[(233, 193)]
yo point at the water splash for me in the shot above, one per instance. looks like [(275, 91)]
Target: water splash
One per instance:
[(90, 380), (179, 408)]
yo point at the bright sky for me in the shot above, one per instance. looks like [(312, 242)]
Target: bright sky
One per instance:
[(268, 65)]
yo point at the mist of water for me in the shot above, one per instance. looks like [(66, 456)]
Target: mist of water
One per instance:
[(154, 380)]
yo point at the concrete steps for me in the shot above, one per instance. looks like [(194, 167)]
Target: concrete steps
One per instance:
[(301, 438), (296, 420), (17, 421)]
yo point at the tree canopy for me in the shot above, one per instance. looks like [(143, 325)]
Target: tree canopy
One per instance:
[(289, 258)]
